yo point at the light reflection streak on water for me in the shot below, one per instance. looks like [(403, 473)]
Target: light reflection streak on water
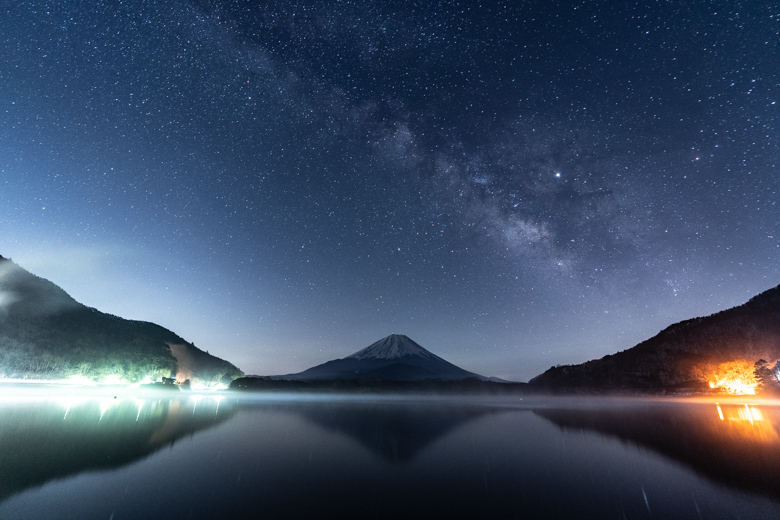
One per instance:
[(751, 414), (195, 399), (105, 404), (69, 402), (748, 414), (747, 422)]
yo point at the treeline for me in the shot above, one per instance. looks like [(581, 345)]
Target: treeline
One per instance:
[(82, 358), (429, 386), (46, 334), (767, 376), (87, 343), (680, 357)]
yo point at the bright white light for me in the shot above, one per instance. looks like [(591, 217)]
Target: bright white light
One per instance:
[(69, 402), (105, 404), (114, 379), (80, 380), (195, 399), (73, 380)]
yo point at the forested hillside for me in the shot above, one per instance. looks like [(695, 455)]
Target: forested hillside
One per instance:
[(46, 334), (689, 354)]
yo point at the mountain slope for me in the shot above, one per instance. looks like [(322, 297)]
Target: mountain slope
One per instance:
[(46, 334), (394, 358), (690, 353)]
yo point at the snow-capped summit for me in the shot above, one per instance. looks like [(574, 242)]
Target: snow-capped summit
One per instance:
[(395, 357), (392, 347)]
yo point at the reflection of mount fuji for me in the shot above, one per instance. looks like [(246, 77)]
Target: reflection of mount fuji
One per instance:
[(58, 438), (394, 432), (735, 444)]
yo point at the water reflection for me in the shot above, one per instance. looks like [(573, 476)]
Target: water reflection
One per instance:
[(732, 443), (748, 422), (307, 456), (47, 438), (395, 432)]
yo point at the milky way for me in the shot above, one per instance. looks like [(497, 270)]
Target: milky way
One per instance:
[(512, 185)]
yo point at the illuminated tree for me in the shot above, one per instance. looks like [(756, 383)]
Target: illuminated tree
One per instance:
[(766, 376)]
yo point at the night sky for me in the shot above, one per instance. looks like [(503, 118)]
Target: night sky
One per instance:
[(513, 185)]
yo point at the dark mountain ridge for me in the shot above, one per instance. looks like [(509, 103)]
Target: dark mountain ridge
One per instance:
[(46, 334), (684, 355)]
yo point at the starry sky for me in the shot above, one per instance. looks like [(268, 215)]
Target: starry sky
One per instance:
[(514, 185)]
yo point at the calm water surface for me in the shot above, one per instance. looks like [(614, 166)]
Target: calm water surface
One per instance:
[(280, 456)]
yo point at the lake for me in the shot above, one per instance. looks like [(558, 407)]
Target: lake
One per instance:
[(178, 455)]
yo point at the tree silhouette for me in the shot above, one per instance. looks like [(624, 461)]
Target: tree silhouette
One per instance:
[(766, 375)]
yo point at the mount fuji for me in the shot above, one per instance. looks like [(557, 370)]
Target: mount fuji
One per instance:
[(395, 358)]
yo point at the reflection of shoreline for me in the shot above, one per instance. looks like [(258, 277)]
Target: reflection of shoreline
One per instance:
[(46, 439), (395, 432), (734, 444)]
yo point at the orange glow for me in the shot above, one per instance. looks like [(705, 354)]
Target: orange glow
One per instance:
[(735, 377), (740, 413), (747, 422)]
